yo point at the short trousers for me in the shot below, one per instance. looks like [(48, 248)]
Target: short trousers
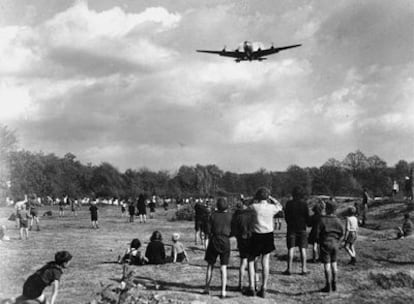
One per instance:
[(198, 225), (24, 223), (351, 238), (244, 247), (94, 217), (33, 212), (297, 239), (329, 251), (180, 257), (212, 253), (261, 244)]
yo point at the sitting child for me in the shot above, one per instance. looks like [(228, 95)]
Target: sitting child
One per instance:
[(407, 227), (47, 275), (3, 234), (178, 252), (155, 252), (132, 255)]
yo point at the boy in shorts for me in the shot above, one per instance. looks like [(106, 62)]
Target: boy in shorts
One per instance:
[(47, 275), (219, 244), (24, 222), (330, 232), (33, 213)]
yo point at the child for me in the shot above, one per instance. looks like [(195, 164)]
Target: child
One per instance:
[(351, 230), (178, 252), (94, 215), (242, 226), (407, 227), (49, 274), (219, 244), (131, 210), (314, 221), (330, 231), (24, 222), (132, 255), (155, 252), (33, 212)]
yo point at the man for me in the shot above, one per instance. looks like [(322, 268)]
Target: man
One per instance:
[(297, 218), (262, 239), (364, 211)]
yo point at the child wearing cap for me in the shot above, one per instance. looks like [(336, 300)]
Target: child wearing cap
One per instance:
[(49, 274), (330, 231), (219, 244), (178, 252), (351, 230)]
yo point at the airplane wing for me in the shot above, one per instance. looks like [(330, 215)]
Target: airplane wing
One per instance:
[(233, 54), (273, 50)]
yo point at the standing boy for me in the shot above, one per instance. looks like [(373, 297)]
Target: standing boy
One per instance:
[(219, 244), (33, 212), (94, 214), (24, 222), (330, 232)]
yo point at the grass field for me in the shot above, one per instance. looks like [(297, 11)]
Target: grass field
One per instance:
[(384, 272)]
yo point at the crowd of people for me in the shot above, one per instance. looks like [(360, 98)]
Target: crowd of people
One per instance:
[(252, 223)]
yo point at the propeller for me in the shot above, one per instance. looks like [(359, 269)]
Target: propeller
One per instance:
[(272, 47), (224, 49)]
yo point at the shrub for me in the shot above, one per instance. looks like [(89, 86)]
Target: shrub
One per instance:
[(185, 213)]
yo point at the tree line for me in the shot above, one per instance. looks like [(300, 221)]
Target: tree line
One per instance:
[(25, 172)]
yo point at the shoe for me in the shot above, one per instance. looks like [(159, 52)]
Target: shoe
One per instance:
[(327, 288), (304, 273), (222, 296), (206, 292), (38, 229), (250, 293), (352, 261), (286, 272), (30, 228), (261, 293), (333, 286)]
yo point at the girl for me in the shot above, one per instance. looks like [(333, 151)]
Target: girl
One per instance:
[(178, 252), (155, 252), (351, 229), (132, 255)]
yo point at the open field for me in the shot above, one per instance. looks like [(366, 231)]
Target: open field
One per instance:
[(384, 272)]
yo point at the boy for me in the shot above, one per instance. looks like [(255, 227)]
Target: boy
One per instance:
[(219, 244), (94, 215), (47, 275), (178, 251), (24, 217), (33, 212), (262, 240), (351, 231), (330, 231)]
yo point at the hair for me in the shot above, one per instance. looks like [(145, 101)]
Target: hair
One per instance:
[(156, 236), (351, 210), (62, 257), (298, 192), (135, 243), (407, 216), (262, 194), (175, 237), (222, 204), (330, 207), (318, 207)]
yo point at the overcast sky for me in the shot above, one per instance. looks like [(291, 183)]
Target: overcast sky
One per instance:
[(120, 81)]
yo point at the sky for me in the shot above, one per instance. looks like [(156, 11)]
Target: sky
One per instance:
[(120, 81)]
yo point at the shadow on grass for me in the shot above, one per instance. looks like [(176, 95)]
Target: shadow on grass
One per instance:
[(302, 293), (152, 284), (394, 262)]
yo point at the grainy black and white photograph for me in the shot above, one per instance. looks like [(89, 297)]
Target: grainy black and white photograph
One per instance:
[(206, 151)]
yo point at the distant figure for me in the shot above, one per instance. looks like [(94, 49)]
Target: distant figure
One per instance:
[(407, 227), (364, 207), (351, 233), (330, 232), (297, 219), (142, 208), (61, 204), (132, 255), (33, 211), (202, 223), (49, 274), (408, 188), (123, 208), (155, 252), (131, 210), (278, 220), (219, 244), (74, 206), (395, 188), (93, 209), (178, 251), (262, 240), (151, 205), (318, 209), (242, 227), (165, 204), (24, 222)]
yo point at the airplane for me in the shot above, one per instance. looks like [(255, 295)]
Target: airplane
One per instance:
[(248, 53)]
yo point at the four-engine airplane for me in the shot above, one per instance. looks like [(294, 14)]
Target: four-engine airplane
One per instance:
[(247, 53)]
